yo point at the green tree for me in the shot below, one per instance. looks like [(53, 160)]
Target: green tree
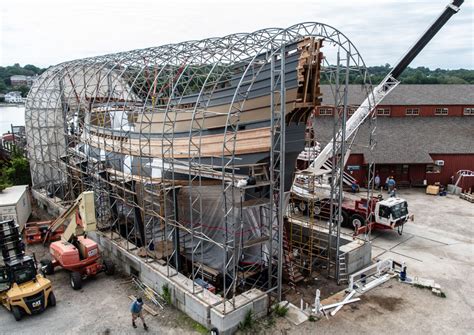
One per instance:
[(4, 182), (16, 171), (24, 90)]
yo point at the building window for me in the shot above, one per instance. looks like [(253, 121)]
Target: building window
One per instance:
[(383, 111), (405, 169), (441, 111), (325, 111), (351, 110), (412, 111), (432, 168), (468, 111)]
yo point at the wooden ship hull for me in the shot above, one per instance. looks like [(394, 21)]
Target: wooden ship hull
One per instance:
[(194, 128)]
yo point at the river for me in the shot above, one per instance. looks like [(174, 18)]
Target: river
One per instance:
[(11, 115)]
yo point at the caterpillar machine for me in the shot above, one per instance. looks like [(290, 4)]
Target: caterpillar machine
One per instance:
[(75, 252), (22, 289), (387, 214)]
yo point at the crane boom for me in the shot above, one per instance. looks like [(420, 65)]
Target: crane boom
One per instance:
[(79, 218), (386, 86)]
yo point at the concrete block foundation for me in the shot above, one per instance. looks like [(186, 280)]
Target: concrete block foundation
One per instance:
[(201, 306)]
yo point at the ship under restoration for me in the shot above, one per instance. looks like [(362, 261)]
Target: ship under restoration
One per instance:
[(193, 122)]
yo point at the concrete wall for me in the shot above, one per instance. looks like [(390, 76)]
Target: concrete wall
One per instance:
[(358, 255), (47, 204)]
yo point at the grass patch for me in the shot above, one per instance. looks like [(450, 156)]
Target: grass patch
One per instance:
[(166, 294), (248, 322), (200, 328), (185, 321), (280, 310), (269, 321)]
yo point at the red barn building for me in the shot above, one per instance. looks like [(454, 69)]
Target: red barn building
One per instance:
[(424, 133)]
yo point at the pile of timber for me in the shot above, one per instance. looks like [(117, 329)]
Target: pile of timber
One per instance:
[(467, 196)]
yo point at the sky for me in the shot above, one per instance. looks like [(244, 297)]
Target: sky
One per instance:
[(48, 32)]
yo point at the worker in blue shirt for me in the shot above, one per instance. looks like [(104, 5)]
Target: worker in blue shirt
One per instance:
[(136, 309), (391, 184)]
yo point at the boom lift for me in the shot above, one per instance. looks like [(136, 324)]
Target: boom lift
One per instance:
[(22, 289), (75, 252), (390, 213)]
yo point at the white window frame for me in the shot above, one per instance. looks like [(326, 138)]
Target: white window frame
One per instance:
[(440, 111), (326, 111), (468, 111), (433, 168), (383, 111), (412, 111)]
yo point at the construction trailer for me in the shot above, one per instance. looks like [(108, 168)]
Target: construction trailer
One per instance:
[(15, 204)]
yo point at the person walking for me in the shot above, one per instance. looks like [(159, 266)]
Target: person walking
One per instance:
[(391, 184), (136, 309), (377, 182)]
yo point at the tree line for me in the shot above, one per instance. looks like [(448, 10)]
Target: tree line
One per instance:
[(16, 69), (418, 75)]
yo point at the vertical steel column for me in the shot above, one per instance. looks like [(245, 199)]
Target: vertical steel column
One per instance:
[(281, 198), (277, 168), (272, 173), (333, 165), (341, 164)]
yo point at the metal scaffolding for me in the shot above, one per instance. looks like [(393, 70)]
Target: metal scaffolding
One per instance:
[(185, 145)]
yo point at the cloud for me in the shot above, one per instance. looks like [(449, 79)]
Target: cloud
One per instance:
[(52, 31)]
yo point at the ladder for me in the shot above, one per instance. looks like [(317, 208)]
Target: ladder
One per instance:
[(343, 275), (259, 172), (293, 274)]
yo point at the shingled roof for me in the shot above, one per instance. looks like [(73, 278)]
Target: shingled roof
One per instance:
[(408, 140), (411, 95)]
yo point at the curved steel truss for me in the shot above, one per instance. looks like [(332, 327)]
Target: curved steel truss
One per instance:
[(167, 137)]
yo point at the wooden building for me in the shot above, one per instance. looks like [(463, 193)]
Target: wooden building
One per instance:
[(424, 134)]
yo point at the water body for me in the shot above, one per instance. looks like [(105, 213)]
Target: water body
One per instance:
[(11, 115)]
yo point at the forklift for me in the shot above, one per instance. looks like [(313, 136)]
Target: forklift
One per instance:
[(22, 289)]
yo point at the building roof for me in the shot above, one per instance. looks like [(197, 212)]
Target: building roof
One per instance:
[(411, 95), (11, 195), (408, 140), (18, 77)]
